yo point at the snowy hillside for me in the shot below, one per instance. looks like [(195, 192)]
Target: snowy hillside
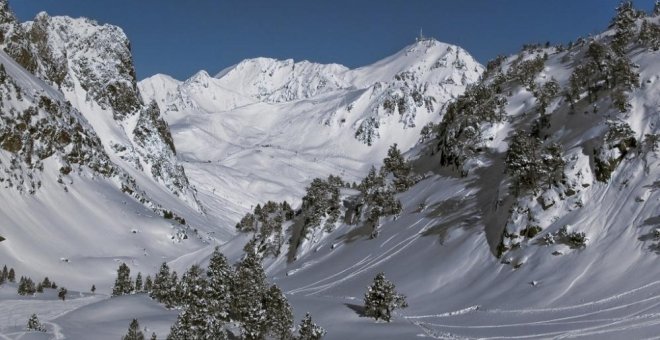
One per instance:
[(86, 181), (520, 200), (302, 120)]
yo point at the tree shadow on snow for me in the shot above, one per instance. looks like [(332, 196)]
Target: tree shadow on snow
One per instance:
[(359, 310)]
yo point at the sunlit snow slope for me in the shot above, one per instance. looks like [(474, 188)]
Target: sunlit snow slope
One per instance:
[(264, 128)]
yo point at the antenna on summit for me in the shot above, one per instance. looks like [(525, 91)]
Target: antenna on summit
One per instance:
[(421, 35)]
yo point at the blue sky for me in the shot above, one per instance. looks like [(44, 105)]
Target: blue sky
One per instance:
[(180, 37)]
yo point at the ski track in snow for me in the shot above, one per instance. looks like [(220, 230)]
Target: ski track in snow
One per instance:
[(365, 264), (15, 313), (577, 324)]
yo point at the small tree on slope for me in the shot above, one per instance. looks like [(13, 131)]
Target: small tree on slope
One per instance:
[(134, 332), (220, 277), (123, 283), (33, 324), (381, 299), (309, 330)]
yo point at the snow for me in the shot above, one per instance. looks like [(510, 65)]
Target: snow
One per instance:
[(263, 129)]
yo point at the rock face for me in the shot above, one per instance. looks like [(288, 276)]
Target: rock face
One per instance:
[(92, 66)]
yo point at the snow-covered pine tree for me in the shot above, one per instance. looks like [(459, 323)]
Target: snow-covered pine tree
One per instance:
[(220, 276), (40, 288), (162, 285), (308, 330), (46, 282), (278, 313), (197, 320), (192, 286), (153, 336), (5, 273), (33, 324), (381, 299), (134, 332), (123, 283), (148, 284), (656, 8), (401, 169), (138, 282), (11, 275), (624, 25), (247, 294), (173, 298), (62, 293)]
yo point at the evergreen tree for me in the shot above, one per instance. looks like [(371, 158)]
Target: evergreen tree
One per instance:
[(649, 35), (5, 273), (33, 324), (138, 282), (278, 313), (220, 276), (197, 320), (46, 282), (401, 169), (309, 330), (624, 25), (53, 285), (174, 296), (26, 286), (134, 332), (148, 284), (153, 336), (123, 283), (93, 289), (11, 276), (247, 294), (162, 285), (62, 293), (40, 288), (656, 8), (381, 299)]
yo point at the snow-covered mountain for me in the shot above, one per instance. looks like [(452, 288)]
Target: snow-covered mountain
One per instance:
[(304, 119), (529, 208), (89, 171)]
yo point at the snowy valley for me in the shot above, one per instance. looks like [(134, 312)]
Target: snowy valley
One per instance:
[(513, 200)]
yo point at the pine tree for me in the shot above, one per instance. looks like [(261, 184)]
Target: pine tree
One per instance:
[(46, 282), (381, 299), (278, 313), (5, 273), (134, 332), (220, 276), (162, 285), (247, 294), (656, 8), (40, 288), (138, 282), (123, 283), (196, 321), (93, 289), (62, 293), (148, 284), (33, 324), (174, 296), (624, 24), (153, 336), (401, 169), (11, 276), (309, 330)]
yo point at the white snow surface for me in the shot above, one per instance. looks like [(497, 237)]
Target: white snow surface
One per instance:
[(245, 139)]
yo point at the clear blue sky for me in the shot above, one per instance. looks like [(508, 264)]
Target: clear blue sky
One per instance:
[(180, 37)]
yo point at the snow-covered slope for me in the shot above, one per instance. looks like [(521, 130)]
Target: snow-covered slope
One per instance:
[(265, 128), (480, 256), (89, 173)]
